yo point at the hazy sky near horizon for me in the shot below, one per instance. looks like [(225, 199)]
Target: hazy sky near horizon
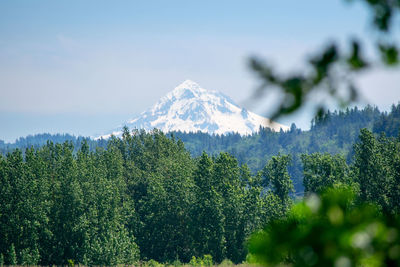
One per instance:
[(85, 67)]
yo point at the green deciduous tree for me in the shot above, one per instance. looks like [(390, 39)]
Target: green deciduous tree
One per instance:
[(207, 212), (376, 169), (277, 178), (321, 171), (228, 184)]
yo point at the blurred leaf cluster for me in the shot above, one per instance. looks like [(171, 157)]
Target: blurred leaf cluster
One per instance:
[(329, 230), (331, 71)]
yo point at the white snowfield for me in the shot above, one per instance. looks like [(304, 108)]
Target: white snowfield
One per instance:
[(190, 108)]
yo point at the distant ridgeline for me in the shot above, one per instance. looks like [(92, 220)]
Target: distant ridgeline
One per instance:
[(334, 133), (39, 140)]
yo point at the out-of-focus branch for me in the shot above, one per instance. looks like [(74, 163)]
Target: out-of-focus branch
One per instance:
[(331, 70)]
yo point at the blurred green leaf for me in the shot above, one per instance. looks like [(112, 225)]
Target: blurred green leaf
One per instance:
[(334, 231), (389, 54), (355, 61)]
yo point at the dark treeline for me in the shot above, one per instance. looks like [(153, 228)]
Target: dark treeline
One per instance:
[(145, 197), (39, 140), (333, 132)]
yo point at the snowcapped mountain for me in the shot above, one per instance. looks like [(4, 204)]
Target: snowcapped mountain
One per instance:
[(190, 108)]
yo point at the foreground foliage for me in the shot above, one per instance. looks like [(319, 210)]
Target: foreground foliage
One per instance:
[(330, 72), (330, 230)]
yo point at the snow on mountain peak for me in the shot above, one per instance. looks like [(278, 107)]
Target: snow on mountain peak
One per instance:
[(186, 89), (190, 108), (188, 84)]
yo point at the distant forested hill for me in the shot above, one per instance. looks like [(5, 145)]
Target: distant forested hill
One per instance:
[(333, 132), (39, 140)]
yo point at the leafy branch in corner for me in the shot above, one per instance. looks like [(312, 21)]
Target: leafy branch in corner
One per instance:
[(331, 71)]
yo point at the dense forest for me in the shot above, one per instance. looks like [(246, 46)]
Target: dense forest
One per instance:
[(144, 196), (143, 193), (333, 133)]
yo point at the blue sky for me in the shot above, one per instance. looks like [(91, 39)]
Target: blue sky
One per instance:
[(84, 67)]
